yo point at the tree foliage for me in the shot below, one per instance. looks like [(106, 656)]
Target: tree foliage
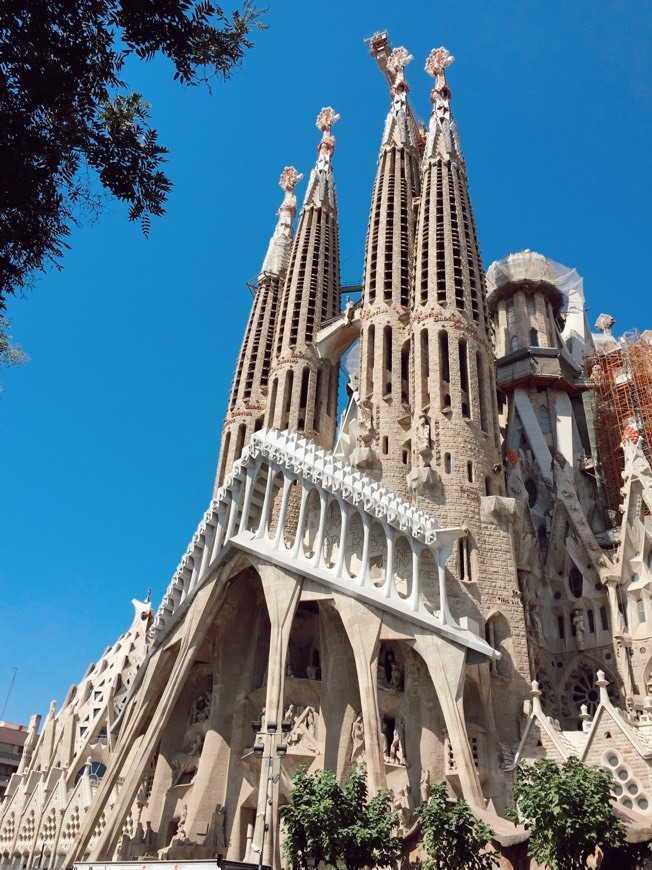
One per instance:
[(568, 811), (452, 835), (10, 353), (68, 119), (325, 823)]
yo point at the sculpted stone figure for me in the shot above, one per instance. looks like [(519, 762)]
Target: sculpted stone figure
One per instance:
[(424, 786), (201, 708), (215, 841), (357, 736), (187, 761), (578, 622)]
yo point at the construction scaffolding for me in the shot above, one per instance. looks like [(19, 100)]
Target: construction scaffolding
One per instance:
[(620, 373)]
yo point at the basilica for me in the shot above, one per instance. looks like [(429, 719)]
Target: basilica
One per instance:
[(453, 576)]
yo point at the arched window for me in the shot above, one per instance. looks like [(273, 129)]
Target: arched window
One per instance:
[(544, 419), (448, 463), (575, 582), (96, 773), (534, 338)]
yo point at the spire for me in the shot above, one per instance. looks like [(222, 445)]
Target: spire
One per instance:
[(400, 127), (249, 390), (389, 251), (453, 404), (278, 252), (321, 187), (303, 388), (442, 135)]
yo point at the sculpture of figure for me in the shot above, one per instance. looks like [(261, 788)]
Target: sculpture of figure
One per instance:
[(148, 839), (578, 622), (390, 658), (201, 708), (309, 720), (181, 835), (357, 735), (424, 785), (423, 439), (535, 621), (348, 311), (313, 670), (124, 847), (290, 715), (365, 425), (215, 840), (396, 678), (402, 805), (187, 761), (397, 747)]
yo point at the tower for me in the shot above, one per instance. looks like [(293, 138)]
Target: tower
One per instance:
[(303, 388), (454, 414), (385, 334), (249, 389)]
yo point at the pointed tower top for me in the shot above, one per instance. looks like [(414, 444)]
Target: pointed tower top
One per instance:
[(399, 88), (278, 252), (436, 64), (325, 122)]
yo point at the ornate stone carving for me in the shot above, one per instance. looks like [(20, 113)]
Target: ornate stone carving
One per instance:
[(186, 762), (325, 121), (357, 738), (438, 61), (578, 623), (289, 179), (396, 63)]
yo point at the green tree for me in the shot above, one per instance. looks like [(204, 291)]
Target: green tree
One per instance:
[(452, 835), (10, 354), (325, 823), (568, 811), (68, 119)]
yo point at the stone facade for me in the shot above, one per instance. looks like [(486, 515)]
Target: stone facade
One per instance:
[(389, 597)]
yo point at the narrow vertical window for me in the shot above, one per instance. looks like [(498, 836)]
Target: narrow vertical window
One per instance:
[(562, 629), (448, 463), (482, 395), (225, 453), (464, 376), (544, 420), (239, 444), (534, 338), (371, 338), (303, 398), (444, 369), (316, 420), (405, 373), (287, 399), (604, 619), (469, 472), (387, 360), (272, 401), (425, 367)]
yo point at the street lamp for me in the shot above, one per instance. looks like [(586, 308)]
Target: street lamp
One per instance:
[(269, 752)]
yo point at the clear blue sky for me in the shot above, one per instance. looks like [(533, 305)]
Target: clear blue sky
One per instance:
[(109, 436)]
